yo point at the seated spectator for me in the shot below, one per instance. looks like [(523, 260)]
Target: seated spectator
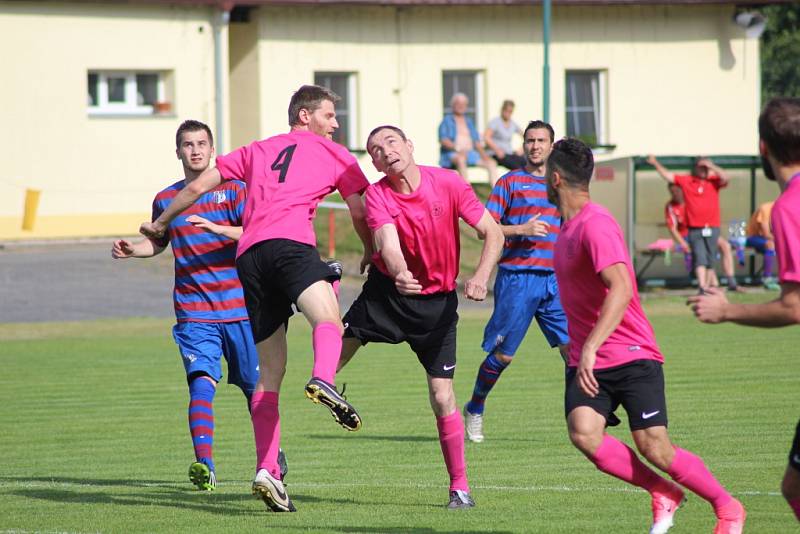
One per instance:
[(461, 145), (759, 237), (498, 136)]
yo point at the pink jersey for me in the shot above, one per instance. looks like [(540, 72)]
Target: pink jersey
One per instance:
[(587, 244), (287, 176), (427, 223), (786, 230)]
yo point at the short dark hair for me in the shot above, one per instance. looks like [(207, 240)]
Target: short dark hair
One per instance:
[(540, 125), (779, 128), (192, 126), (395, 129), (573, 160), (309, 97)]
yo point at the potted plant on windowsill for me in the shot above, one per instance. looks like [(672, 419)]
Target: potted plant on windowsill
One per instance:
[(162, 107)]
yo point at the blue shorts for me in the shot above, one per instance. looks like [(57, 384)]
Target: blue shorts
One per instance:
[(202, 346), (473, 158), (757, 242), (519, 296)]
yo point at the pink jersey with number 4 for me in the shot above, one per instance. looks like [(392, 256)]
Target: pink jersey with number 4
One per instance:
[(287, 176), (587, 244), (785, 223), (427, 224)]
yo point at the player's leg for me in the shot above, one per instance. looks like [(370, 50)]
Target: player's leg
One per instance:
[(265, 414), (350, 346), (436, 352), (645, 403), (726, 255), (587, 418), (790, 487), (516, 298), (200, 345)]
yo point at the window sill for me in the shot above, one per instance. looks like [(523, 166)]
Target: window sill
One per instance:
[(132, 115), (602, 149)]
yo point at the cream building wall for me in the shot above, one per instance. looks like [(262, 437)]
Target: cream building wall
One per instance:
[(680, 79), (97, 175)]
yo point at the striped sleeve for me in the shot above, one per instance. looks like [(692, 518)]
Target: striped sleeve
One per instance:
[(499, 199)]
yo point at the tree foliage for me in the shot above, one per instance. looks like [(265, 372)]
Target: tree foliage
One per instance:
[(780, 51)]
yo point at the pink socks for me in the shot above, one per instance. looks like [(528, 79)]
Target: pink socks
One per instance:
[(267, 430), (327, 342), (451, 439), (617, 459), (689, 471)]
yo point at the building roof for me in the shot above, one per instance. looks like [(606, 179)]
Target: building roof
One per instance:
[(228, 4)]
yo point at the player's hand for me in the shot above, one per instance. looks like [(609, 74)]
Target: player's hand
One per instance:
[(534, 227), (586, 380), (204, 224), (709, 307), (151, 230), (475, 289), (366, 259), (406, 284), (122, 249), (651, 159)]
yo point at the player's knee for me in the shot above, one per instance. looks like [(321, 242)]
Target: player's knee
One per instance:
[(504, 358), (584, 442), (790, 486), (656, 452)]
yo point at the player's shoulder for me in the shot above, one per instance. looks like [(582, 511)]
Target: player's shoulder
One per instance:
[(597, 216), (170, 191), (441, 175)]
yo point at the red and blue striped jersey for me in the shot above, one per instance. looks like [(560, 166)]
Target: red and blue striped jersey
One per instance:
[(515, 198), (207, 287)]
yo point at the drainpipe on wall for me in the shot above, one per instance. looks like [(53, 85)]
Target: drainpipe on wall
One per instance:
[(546, 67), (223, 17)]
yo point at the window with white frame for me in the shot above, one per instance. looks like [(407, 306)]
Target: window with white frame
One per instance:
[(469, 82), (127, 93), (586, 113), (344, 85)]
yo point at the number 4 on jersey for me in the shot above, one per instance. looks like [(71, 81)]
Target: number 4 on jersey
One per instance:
[(282, 162)]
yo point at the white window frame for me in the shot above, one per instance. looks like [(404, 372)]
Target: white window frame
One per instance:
[(130, 105), (477, 105), (599, 93), (350, 103)]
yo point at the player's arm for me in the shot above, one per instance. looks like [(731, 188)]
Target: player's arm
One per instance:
[(208, 180), (489, 231), (487, 137), (724, 177), (713, 307), (533, 227), (678, 238), (388, 242), (124, 249), (660, 169), (358, 213), (620, 292), (231, 232)]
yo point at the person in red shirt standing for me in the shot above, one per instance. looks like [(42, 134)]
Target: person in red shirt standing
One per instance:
[(675, 219), (410, 293), (701, 196)]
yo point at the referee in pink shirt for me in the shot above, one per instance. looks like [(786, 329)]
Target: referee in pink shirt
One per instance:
[(613, 355), (410, 293)]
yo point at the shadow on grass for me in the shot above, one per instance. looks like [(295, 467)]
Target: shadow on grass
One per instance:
[(414, 530), (372, 437)]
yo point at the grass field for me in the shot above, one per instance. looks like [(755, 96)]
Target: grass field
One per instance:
[(94, 436)]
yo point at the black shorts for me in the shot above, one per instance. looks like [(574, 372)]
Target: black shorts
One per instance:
[(794, 454), (427, 322), (638, 386), (274, 273)]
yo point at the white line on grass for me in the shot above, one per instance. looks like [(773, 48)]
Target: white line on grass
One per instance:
[(555, 489)]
